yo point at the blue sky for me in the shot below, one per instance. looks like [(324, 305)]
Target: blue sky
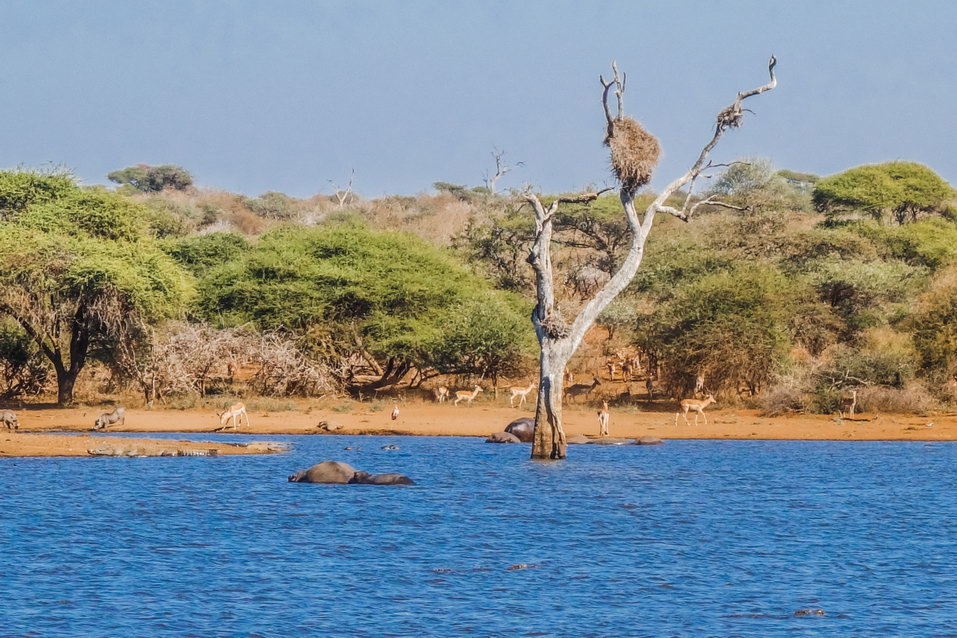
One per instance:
[(257, 96)]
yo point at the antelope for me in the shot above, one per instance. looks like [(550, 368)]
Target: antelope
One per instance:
[(699, 384), (650, 387), (696, 405), (466, 395), (568, 377), (235, 412), (603, 419), (520, 392), (848, 404), (395, 412), (612, 369), (118, 415), (578, 389), (440, 393), (9, 419)]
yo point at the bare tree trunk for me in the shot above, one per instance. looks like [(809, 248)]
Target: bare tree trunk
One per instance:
[(559, 340), (549, 442)]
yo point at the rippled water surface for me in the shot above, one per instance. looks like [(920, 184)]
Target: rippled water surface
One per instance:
[(689, 538)]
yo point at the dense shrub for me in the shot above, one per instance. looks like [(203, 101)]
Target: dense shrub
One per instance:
[(900, 190)]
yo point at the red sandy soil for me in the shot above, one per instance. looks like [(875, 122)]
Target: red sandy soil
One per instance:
[(480, 419)]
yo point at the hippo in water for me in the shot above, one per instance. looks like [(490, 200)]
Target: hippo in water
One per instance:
[(343, 473), (523, 429), (325, 472), (364, 478)]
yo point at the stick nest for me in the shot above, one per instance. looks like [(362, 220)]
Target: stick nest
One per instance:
[(634, 153), (554, 326)]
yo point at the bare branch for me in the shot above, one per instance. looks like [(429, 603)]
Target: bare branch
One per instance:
[(500, 170), (619, 85), (342, 195)]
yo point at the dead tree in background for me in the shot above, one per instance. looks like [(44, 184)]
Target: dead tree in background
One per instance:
[(343, 195), (500, 170), (634, 153)]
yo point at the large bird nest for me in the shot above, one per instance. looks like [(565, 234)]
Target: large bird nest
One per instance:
[(634, 153)]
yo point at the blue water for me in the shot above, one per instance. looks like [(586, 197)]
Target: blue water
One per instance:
[(722, 538)]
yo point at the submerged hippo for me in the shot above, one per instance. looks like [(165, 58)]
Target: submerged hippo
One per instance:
[(325, 472), (523, 429), (502, 437), (343, 473), (364, 478)]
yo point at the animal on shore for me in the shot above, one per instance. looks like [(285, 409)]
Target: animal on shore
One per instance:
[(694, 404), (235, 412), (118, 415), (848, 405), (395, 412), (9, 419), (464, 395), (579, 389), (522, 393), (650, 388), (440, 393), (603, 419)]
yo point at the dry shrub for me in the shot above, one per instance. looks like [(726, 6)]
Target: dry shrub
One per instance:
[(913, 398), (186, 359), (634, 153), (283, 370)]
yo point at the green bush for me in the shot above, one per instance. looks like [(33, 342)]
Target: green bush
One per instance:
[(903, 190), (152, 179)]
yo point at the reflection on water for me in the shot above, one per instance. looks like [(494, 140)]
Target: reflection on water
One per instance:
[(688, 538)]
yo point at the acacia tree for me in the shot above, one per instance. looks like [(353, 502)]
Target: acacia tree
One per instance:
[(634, 153), (76, 270)]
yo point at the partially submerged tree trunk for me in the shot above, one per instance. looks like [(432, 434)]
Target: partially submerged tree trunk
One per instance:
[(557, 339)]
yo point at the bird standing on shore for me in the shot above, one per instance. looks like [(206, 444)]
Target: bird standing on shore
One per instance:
[(395, 412)]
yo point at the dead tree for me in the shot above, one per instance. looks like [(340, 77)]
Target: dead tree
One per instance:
[(343, 195), (500, 170), (634, 153)]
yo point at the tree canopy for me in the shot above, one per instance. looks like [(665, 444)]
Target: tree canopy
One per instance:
[(902, 190), (385, 298), (77, 270), (152, 179)]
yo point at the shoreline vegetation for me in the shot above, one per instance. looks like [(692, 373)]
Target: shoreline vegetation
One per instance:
[(39, 427), (808, 297)]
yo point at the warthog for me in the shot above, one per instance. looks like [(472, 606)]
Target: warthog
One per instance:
[(9, 419), (118, 415)]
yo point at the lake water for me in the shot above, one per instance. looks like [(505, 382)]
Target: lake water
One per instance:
[(722, 538)]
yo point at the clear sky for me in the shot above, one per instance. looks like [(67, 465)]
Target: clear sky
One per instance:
[(253, 96)]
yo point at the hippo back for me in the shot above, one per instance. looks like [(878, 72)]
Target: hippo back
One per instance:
[(523, 429), (325, 472)]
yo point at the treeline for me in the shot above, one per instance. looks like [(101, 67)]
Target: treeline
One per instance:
[(785, 289)]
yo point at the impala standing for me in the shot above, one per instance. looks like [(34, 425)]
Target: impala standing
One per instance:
[(575, 391), (603, 419), (697, 406), (440, 393), (848, 405), (468, 397), (520, 392)]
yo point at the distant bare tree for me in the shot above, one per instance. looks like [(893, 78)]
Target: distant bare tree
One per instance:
[(343, 195), (634, 153), (500, 170)]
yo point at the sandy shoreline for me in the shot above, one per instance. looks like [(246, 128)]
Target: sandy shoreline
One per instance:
[(36, 437)]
